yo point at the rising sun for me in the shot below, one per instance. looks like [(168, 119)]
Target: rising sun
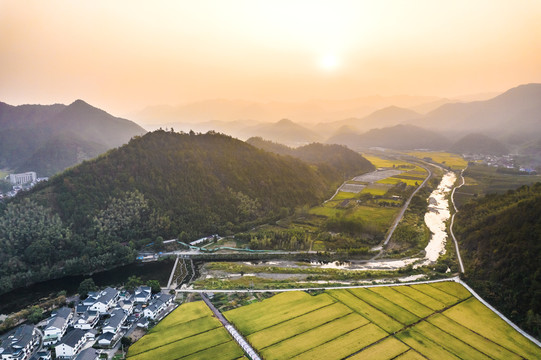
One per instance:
[(329, 62)]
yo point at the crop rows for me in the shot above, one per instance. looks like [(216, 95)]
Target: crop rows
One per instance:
[(435, 321), (189, 332)]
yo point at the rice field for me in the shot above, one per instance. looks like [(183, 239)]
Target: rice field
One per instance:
[(189, 332), (435, 321), (453, 161)]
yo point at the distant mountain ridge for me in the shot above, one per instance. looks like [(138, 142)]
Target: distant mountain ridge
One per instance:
[(337, 161), (49, 138)]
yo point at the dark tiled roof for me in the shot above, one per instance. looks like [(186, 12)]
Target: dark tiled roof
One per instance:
[(73, 337)]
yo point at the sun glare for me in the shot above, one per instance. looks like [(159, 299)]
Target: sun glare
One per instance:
[(329, 62)]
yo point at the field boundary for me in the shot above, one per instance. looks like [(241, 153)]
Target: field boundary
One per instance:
[(522, 332)]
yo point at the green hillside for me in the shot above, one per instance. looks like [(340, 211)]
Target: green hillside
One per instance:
[(500, 238), (97, 214), (336, 161)]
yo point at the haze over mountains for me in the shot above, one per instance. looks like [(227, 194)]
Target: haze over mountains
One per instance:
[(49, 138)]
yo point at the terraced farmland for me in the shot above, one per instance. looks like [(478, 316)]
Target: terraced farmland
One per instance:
[(435, 321), (189, 332)]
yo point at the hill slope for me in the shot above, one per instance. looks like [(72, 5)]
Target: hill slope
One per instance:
[(336, 161), (479, 144), (96, 215), (396, 137), (514, 112), (60, 135), (500, 238)]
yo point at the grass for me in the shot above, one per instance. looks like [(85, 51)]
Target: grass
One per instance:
[(384, 350), (420, 297), (190, 331), (376, 189), (344, 195), (287, 329), (395, 180), (346, 344), (275, 310), (374, 315), (384, 162), (478, 318), (410, 355), (453, 161), (310, 339)]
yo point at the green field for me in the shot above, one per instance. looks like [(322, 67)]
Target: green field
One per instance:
[(482, 179), (435, 321), (453, 161), (189, 332)]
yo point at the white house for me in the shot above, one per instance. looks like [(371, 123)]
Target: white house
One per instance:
[(57, 325), (105, 301), (21, 344), (157, 305), (106, 339), (70, 344), (142, 295), (115, 321), (87, 320), (126, 305)]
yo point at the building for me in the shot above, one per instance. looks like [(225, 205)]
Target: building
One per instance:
[(86, 320), (142, 295), (21, 344), (116, 320), (57, 325), (106, 300), (70, 344), (106, 339), (157, 305), (23, 178)]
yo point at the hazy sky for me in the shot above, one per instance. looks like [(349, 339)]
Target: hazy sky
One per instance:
[(125, 55)]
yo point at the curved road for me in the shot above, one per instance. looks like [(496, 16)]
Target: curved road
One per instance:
[(402, 211)]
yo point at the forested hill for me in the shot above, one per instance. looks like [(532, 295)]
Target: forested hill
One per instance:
[(49, 138), (97, 214), (500, 237), (336, 161)]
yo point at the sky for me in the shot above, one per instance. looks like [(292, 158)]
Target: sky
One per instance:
[(125, 55)]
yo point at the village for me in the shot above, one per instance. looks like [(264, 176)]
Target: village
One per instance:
[(92, 329)]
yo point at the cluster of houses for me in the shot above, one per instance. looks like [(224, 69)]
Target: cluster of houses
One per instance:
[(102, 319), (21, 182)]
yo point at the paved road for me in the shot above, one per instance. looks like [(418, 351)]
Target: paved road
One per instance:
[(236, 335), (453, 221), (203, 291)]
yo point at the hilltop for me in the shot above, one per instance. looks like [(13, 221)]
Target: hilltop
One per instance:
[(337, 161), (50, 138)]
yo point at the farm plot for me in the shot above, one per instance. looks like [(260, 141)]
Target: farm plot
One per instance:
[(478, 318), (377, 175), (434, 321), (386, 306), (189, 332), (317, 336), (287, 329), (275, 310)]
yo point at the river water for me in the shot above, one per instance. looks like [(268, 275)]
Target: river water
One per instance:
[(22, 297)]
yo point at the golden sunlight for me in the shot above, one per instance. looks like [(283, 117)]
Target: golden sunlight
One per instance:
[(329, 62)]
